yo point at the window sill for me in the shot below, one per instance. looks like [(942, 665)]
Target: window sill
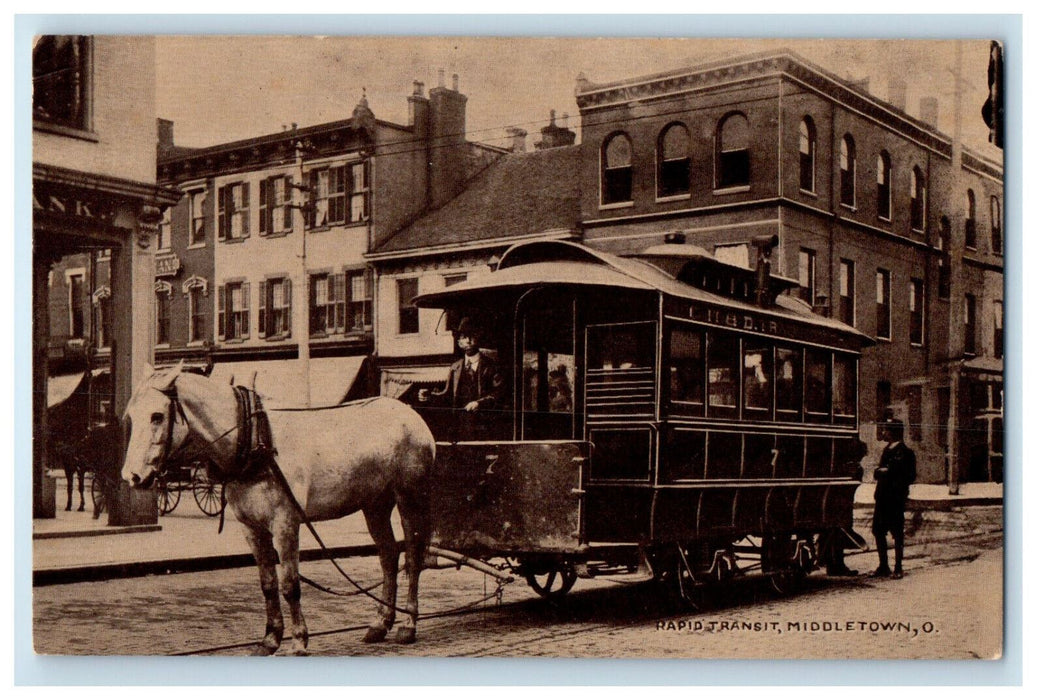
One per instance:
[(616, 205), (195, 343), (162, 346), (883, 339), (849, 207), (684, 197), (196, 246), (736, 189), (234, 341), (276, 338), (277, 234), (808, 193), (885, 219), (233, 240), (168, 249), (337, 224), (62, 130), (917, 345)]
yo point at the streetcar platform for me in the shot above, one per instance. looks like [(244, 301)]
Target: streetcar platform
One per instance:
[(75, 547)]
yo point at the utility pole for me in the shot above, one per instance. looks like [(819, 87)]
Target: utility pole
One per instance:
[(301, 327), (955, 347)]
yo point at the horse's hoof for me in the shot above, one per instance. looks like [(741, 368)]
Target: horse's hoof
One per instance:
[(68, 507), (375, 634), (299, 652), (81, 508), (406, 635), (262, 650)]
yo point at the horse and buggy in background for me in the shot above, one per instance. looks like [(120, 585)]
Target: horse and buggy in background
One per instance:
[(662, 412)]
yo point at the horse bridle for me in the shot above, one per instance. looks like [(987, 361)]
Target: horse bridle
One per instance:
[(174, 409)]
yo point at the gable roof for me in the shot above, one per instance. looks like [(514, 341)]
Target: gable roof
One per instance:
[(520, 194)]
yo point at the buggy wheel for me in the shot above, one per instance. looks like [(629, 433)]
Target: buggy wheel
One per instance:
[(98, 494), (167, 496), (552, 583), (206, 492), (777, 562)]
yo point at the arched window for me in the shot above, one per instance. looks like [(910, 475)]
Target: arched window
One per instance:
[(884, 186), (969, 222), (616, 169), (673, 155), (733, 151), (917, 199), (995, 224), (848, 160), (807, 154)]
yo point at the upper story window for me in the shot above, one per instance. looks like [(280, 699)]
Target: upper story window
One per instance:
[(944, 260), (359, 285), (616, 169), (234, 211), (273, 308), (234, 311), (77, 299), (197, 229), (995, 225), (998, 329), (409, 318), (733, 151), (807, 154), (847, 164), (103, 317), (807, 275), (917, 199), (846, 288), (673, 152), (970, 324), (62, 80), (275, 199), (884, 186), (969, 222), (163, 293), (163, 232), (340, 195), (884, 304), (326, 304), (916, 312), (197, 309)]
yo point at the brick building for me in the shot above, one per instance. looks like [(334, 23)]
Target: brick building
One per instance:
[(876, 223), (265, 252)]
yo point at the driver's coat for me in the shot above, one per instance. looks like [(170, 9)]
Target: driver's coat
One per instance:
[(313, 449)]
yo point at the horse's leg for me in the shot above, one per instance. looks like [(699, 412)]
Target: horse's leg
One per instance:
[(378, 521), (286, 532), (79, 482), (261, 545), (70, 473), (416, 527)]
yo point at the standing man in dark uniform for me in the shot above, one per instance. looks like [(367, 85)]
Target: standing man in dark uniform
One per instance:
[(474, 383), (897, 471)]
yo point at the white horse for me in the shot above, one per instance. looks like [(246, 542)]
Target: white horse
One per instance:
[(371, 455)]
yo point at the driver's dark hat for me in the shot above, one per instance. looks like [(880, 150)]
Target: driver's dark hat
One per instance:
[(467, 327)]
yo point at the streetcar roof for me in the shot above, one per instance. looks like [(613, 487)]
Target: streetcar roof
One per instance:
[(540, 263)]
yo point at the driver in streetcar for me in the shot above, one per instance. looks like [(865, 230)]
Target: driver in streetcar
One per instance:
[(475, 383)]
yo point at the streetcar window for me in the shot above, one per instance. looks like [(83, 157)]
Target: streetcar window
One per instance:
[(722, 371), (844, 388), (757, 378), (686, 368), (624, 346), (788, 381), (817, 399)]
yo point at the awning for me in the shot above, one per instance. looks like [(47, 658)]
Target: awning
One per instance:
[(397, 381), (62, 386), (280, 382)]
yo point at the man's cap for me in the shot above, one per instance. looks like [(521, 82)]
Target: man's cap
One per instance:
[(467, 327)]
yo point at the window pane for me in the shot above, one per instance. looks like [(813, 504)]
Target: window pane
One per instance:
[(722, 367), (618, 152), (757, 373), (686, 366), (788, 380), (816, 382), (844, 386), (675, 143), (734, 133)]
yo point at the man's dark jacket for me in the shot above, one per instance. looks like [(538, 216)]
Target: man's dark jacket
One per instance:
[(490, 383), (897, 471)]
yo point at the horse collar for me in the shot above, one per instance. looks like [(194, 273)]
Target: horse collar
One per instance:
[(253, 441)]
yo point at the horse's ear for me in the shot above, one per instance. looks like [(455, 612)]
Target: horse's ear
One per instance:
[(166, 381)]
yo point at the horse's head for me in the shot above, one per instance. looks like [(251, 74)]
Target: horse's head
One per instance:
[(156, 424)]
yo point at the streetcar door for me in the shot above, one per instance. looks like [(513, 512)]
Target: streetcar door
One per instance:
[(546, 376)]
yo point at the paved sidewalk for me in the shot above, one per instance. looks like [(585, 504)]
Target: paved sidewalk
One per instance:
[(74, 547)]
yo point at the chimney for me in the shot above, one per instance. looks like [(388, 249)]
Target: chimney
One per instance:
[(518, 139), (930, 111), (448, 161), (553, 135), (897, 93), (164, 135), (418, 108)]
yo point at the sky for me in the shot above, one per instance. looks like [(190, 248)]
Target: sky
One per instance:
[(224, 88)]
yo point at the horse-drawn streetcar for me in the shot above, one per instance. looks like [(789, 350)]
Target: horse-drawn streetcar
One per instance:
[(663, 411)]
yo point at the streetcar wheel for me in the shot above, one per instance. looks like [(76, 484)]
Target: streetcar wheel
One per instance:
[(206, 493), (167, 496), (554, 583), (98, 494), (777, 562)]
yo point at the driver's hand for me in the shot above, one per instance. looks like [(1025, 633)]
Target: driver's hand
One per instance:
[(471, 406)]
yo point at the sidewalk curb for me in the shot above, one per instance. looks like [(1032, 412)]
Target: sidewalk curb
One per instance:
[(102, 572), (100, 530), (943, 503)]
